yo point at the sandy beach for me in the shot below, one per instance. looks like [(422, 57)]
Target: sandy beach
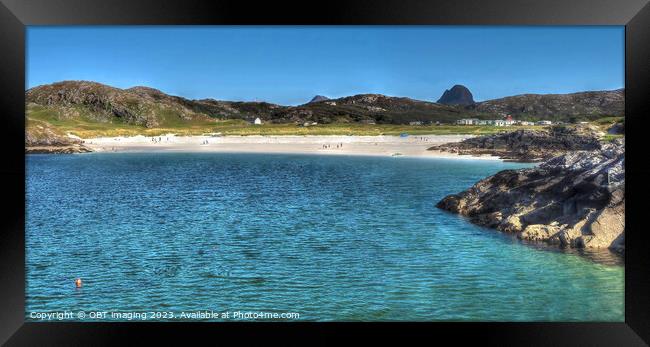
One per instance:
[(326, 145)]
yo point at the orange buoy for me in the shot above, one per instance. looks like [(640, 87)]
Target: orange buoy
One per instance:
[(77, 282)]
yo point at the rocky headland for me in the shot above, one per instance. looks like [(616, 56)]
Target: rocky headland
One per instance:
[(42, 138), (527, 145), (576, 199)]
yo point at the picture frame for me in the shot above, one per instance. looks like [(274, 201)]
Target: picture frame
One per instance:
[(15, 15)]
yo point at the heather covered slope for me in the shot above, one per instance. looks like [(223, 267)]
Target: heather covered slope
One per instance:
[(558, 107), (95, 102), (148, 107)]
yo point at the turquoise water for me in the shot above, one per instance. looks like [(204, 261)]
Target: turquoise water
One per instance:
[(328, 237)]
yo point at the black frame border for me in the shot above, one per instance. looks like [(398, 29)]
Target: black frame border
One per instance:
[(16, 14)]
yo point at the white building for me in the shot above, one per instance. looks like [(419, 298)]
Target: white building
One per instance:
[(544, 122), (467, 121), (257, 121), (499, 122)]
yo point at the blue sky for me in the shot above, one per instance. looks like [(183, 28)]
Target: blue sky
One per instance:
[(289, 65)]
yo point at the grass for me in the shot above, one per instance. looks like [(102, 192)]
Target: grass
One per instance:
[(85, 127), (94, 129), (606, 122), (610, 137), (609, 120)]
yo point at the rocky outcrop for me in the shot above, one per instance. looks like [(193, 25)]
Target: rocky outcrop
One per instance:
[(57, 149), (576, 200), (457, 95), (42, 138), (526, 145)]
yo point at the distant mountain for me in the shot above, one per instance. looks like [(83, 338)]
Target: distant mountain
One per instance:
[(457, 95), (85, 101), (318, 98), (372, 108)]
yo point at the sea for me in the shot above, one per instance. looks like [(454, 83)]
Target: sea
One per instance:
[(288, 237)]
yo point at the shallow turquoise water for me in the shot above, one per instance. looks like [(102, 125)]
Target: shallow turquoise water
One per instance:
[(328, 237)]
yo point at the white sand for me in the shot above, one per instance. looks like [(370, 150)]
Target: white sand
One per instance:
[(351, 145)]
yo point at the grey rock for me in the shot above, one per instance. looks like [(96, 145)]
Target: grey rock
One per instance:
[(525, 145), (576, 199)]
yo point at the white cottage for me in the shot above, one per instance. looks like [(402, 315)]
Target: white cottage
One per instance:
[(467, 121), (257, 121)]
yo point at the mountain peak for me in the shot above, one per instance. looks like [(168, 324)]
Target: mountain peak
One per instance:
[(457, 95), (318, 98)]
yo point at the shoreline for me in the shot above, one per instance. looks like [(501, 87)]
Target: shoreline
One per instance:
[(382, 145)]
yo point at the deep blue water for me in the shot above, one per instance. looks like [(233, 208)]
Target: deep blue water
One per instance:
[(328, 237)]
